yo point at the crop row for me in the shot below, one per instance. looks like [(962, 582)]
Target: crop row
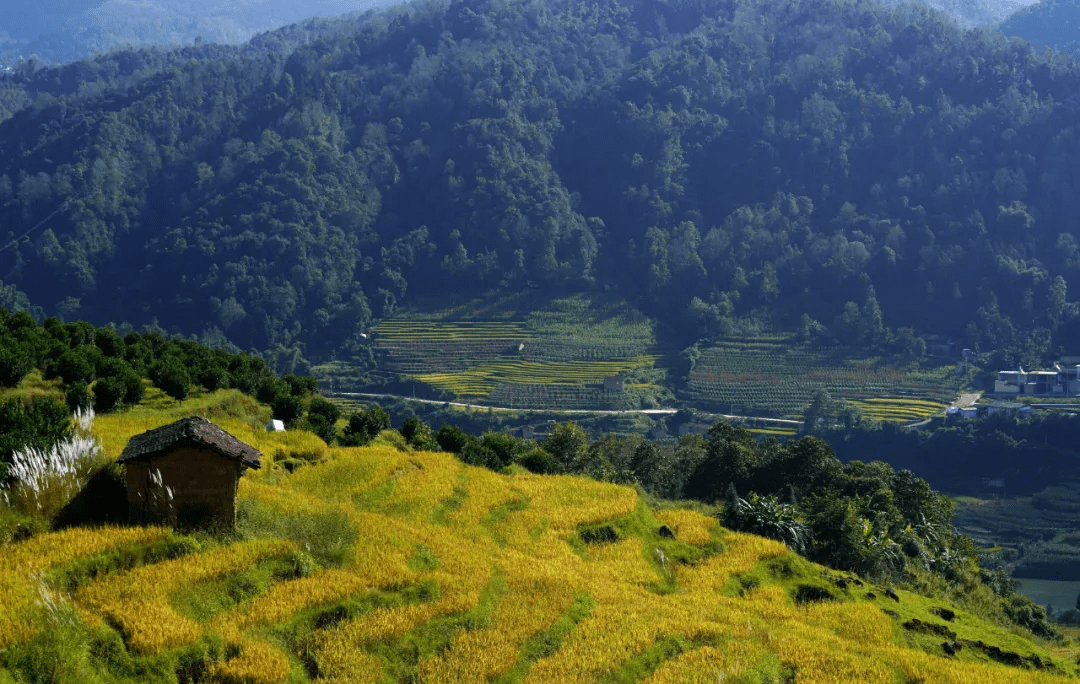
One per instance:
[(552, 397), (481, 379), (405, 330), (138, 600), (22, 588)]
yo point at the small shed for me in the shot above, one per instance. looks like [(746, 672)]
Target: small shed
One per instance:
[(615, 383), (186, 472), (275, 425)]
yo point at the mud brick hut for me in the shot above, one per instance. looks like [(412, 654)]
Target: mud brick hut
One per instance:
[(186, 473)]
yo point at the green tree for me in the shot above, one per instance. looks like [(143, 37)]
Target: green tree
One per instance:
[(419, 434), (322, 417), (364, 425), (568, 444)]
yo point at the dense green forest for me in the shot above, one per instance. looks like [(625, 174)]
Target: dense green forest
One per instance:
[(840, 166)]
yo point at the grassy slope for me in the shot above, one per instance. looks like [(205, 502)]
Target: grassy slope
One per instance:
[(377, 564)]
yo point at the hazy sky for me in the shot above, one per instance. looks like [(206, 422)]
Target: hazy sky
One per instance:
[(67, 29)]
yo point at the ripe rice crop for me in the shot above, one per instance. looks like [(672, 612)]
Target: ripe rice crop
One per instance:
[(689, 526), (733, 660), (138, 600), (284, 600), (22, 564), (537, 594), (482, 378), (257, 663)]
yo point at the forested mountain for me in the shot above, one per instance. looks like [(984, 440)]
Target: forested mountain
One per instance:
[(1053, 23), (63, 30), (971, 13), (842, 167)]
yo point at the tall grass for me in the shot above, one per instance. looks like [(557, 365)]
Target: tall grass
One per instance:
[(43, 481)]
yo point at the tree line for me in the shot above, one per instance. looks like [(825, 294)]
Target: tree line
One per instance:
[(102, 369)]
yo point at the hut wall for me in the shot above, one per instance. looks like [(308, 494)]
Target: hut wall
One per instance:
[(203, 485)]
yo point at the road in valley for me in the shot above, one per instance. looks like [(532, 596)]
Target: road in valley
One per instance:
[(597, 412)]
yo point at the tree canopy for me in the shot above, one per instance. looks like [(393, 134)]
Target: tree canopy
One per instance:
[(865, 166)]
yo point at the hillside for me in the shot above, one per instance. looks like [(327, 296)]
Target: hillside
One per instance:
[(1054, 23), (376, 564), (63, 31), (854, 172)]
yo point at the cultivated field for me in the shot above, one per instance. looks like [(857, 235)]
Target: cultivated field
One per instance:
[(555, 357), (772, 374)]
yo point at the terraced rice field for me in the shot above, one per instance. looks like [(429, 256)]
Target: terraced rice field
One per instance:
[(482, 379), (899, 409), (439, 572), (557, 358), (773, 374)]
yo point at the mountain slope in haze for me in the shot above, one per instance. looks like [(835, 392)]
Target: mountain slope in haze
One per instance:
[(973, 13), (64, 31), (839, 168), (1053, 23)]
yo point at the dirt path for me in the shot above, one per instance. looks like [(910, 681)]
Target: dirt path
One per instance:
[(967, 399)]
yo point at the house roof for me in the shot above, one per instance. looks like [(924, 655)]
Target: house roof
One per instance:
[(192, 431)]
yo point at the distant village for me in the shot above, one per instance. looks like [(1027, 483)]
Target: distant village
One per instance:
[(1063, 381)]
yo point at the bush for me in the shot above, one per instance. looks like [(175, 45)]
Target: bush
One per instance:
[(364, 425), (539, 461), (14, 365), (452, 438), (40, 423), (419, 434), (172, 378), (322, 418), (287, 408), (78, 396), (75, 364), (108, 394)]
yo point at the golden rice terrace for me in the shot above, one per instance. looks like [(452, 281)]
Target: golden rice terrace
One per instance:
[(377, 565)]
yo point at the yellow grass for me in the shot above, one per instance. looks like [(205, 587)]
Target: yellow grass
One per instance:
[(258, 663), (21, 566), (689, 526), (506, 538), (138, 600)]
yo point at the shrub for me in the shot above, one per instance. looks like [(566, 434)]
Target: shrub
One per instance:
[(108, 394), (40, 423), (538, 461), (78, 396), (766, 517), (75, 364), (364, 425), (322, 418), (172, 378), (452, 438), (287, 408), (419, 434), (14, 365)]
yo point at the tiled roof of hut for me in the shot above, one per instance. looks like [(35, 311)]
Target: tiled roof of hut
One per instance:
[(192, 431)]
